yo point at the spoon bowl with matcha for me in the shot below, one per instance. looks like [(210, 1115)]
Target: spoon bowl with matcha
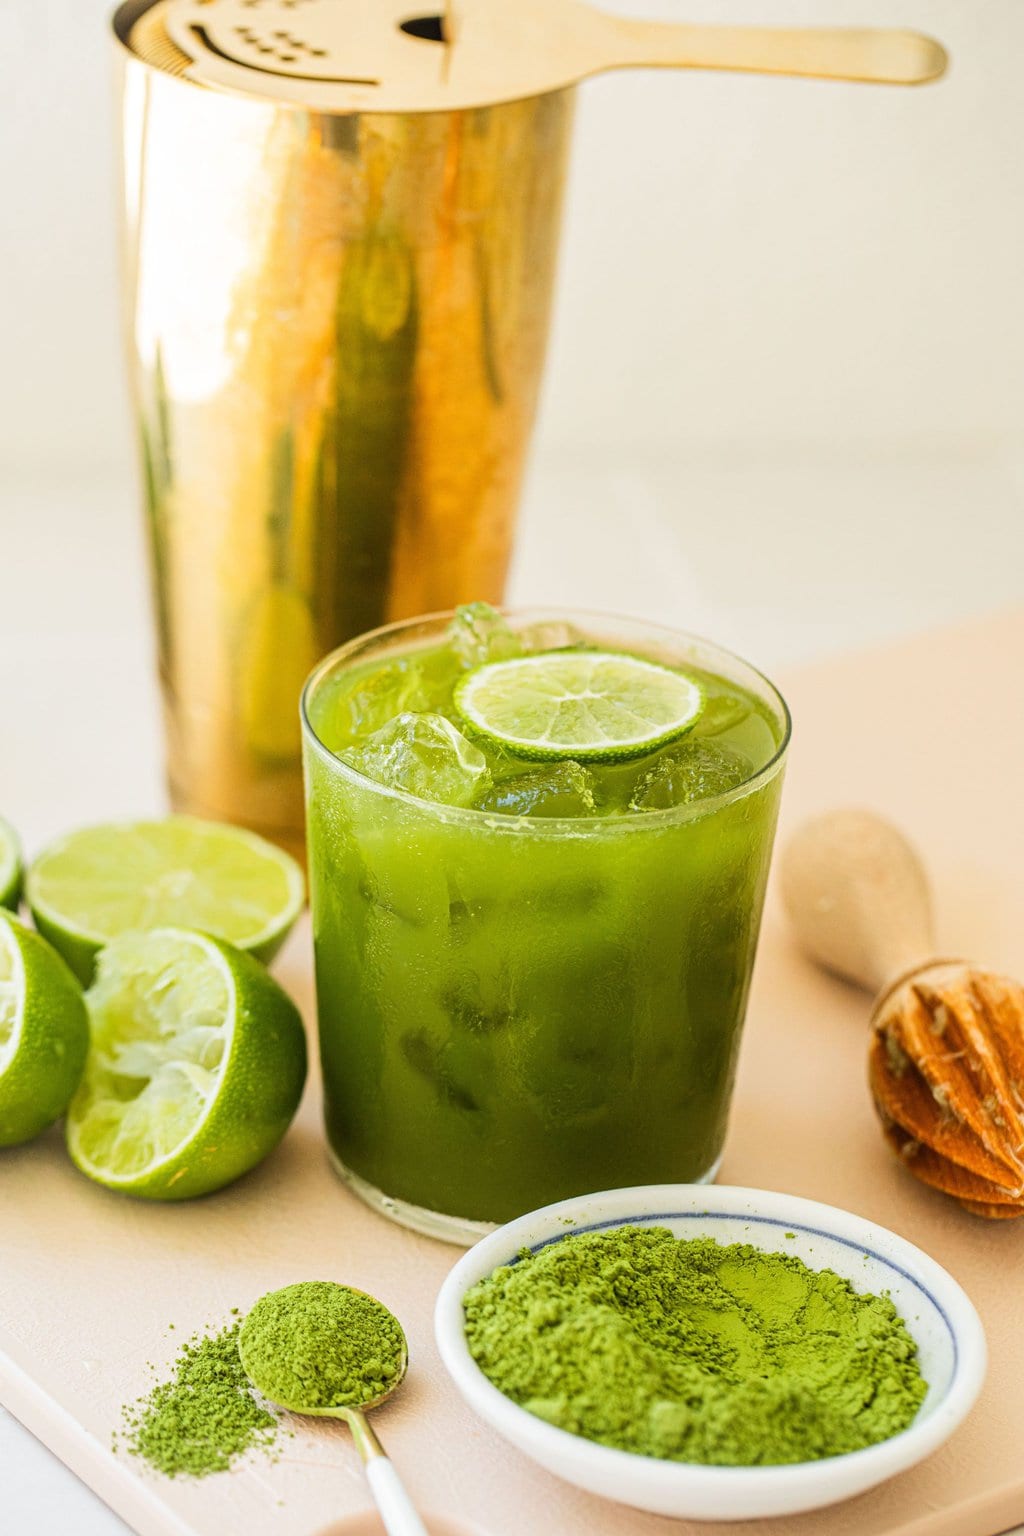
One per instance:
[(329, 1351)]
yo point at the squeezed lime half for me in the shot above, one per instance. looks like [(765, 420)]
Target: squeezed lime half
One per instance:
[(592, 706), (44, 1033), (195, 1069), (10, 867), (104, 881)]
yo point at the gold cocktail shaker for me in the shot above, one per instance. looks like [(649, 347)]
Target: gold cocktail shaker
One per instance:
[(337, 326), (341, 225)]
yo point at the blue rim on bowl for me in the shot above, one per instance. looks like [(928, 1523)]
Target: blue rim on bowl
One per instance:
[(940, 1316)]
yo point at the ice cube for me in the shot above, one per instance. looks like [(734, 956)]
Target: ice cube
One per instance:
[(467, 912), (377, 697), (426, 756), (426, 1057), (552, 635), (568, 898), (722, 713), (459, 918), (564, 789), (693, 770), (481, 1009), (478, 633)]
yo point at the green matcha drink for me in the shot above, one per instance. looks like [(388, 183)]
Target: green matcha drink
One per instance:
[(538, 851)]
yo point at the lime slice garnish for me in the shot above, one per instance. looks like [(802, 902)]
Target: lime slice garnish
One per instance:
[(196, 1066), (44, 1033), (587, 705), (182, 873), (10, 867)]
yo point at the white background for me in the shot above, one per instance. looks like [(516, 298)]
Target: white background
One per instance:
[(787, 353), (784, 406), (749, 264)]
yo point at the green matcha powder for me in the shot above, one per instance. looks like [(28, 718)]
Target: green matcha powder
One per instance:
[(204, 1416), (690, 1351), (322, 1345), (316, 1344)]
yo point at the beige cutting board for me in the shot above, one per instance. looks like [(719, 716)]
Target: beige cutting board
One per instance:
[(930, 732)]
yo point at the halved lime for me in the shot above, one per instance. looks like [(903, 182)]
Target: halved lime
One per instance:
[(104, 881), (10, 867), (588, 705), (44, 1033), (195, 1068)]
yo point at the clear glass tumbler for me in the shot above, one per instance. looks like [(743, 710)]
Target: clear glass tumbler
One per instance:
[(514, 1011)]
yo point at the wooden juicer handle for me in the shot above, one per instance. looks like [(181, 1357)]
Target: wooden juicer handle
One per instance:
[(858, 898)]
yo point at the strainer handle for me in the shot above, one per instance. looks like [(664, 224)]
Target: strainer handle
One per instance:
[(879, 55)]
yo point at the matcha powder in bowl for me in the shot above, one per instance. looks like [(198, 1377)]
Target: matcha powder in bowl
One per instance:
[(687, 1350)]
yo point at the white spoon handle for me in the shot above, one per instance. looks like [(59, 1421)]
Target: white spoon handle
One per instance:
[(395, 1506)]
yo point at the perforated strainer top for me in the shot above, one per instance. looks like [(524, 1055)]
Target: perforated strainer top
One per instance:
[(344, 56), (368, 55)]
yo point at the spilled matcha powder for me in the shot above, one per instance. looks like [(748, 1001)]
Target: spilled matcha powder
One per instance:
[(316, 1344), (204, 1416), (690, 1351)]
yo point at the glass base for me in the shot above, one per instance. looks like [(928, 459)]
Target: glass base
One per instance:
[(447, 1229)]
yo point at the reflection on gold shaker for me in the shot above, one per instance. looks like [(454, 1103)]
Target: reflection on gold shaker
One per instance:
[(337, 329)]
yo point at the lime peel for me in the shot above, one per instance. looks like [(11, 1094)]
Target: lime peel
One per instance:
[(10, 867), (591, 706), (44, 1033)]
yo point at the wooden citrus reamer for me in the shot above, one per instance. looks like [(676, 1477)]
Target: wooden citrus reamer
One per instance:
[(946, 1059)]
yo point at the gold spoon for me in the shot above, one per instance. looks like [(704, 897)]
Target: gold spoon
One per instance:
[(393, 1503)]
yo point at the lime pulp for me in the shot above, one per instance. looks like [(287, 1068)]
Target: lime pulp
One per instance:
[(103, 881), (196, 1066)]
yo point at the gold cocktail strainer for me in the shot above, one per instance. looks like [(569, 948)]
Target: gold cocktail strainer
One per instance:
[(379, 56)]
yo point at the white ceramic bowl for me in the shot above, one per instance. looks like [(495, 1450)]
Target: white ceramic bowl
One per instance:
[(946, 1327)]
